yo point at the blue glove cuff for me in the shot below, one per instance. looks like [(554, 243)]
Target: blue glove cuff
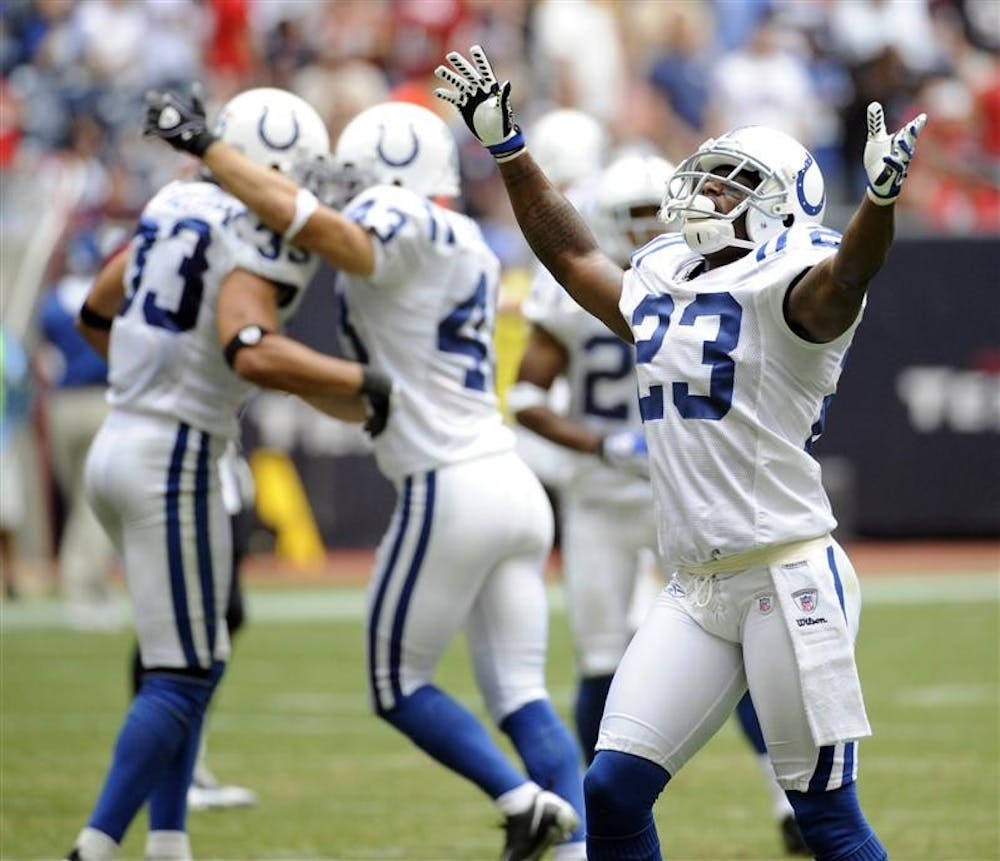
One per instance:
[(509, 147)]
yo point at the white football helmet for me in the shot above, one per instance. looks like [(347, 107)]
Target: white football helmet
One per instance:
[(790, 189), (628, 199), (399, 143), (569, 145), (275, 128)]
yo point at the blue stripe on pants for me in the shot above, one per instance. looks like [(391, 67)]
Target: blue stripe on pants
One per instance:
[(848, 773), (175, 554), (396, 644), (837, 584), (383, 585), (824, 768), (201, 515)]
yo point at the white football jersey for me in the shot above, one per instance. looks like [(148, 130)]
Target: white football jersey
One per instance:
[(426, 317), (731, 398), (165, 357), (602, 389)]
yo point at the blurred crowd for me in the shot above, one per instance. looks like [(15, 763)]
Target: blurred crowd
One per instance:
[(666, 74), (671, 72)]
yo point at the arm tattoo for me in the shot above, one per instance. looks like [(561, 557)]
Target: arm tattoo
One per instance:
[(554, 229)]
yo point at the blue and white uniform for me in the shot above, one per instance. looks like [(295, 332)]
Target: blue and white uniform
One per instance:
[(761, 593), (472, 527), (152, 474)]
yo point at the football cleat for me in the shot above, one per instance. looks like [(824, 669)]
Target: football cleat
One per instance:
[(528, 834), (792, 838), (206, 792)]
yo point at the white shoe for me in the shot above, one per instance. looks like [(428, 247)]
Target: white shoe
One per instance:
[(548, 820), (204, 795)]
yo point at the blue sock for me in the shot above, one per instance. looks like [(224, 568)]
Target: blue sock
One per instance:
[(834, 827), (620, 790), (154, 731), (451, 734), (549, 753), (747, 716), (168, 798), (588, 710)]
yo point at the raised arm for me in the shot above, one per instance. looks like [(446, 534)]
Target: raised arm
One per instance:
[(277, 200), (557, 234), (827, 299)]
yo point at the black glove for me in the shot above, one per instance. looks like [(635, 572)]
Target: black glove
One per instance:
[(376, 389), (180, 122)]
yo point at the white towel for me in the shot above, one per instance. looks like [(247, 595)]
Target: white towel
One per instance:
[(806, 589)]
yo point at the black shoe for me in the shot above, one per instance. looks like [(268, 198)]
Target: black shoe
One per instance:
[(548, 820), (792, 838), (74, 855)]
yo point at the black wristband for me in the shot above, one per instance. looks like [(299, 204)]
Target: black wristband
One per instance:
[(200, 142), (89, 317), (374, 383), (248, 336)]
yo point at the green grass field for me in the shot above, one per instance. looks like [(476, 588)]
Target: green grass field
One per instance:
[(291, 721)]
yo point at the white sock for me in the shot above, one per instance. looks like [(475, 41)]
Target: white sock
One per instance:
[(94, 845), (168, 846), (780, 804), (518, 799)]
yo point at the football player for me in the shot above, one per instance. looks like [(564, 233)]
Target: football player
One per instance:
[(741, 323), (472, 529), (608, 524), (189, 317)]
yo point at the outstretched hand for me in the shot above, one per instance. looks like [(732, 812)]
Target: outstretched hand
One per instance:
[(483, 102), (180, 121), (887, 158)]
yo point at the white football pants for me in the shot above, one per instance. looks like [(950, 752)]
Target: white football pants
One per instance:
[(154, 485), (706, 640), (465, 550)]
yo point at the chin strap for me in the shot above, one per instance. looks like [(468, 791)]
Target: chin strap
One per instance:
[(707, 234)]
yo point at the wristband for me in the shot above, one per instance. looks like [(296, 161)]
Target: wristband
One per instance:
[(510, 148), (248, 336), (524, 395), (89, 317), (305, 205)]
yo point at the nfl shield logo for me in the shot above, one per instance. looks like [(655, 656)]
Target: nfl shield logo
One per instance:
[(764, 604), (806, 600)]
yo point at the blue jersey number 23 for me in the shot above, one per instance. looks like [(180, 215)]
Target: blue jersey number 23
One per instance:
[(715, 354)]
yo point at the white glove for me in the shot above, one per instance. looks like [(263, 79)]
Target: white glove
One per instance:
[(626, 450), (483, 102), (886, 159)]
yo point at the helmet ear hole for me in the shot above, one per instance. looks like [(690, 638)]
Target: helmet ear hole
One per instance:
[(789, 220)]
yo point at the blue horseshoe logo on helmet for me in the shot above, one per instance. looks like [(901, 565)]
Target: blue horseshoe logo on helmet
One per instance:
[(800, 181), (262, 131), (403, 162)]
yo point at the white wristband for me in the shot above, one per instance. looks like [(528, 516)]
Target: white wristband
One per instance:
[(305, 205), (525, 395)]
